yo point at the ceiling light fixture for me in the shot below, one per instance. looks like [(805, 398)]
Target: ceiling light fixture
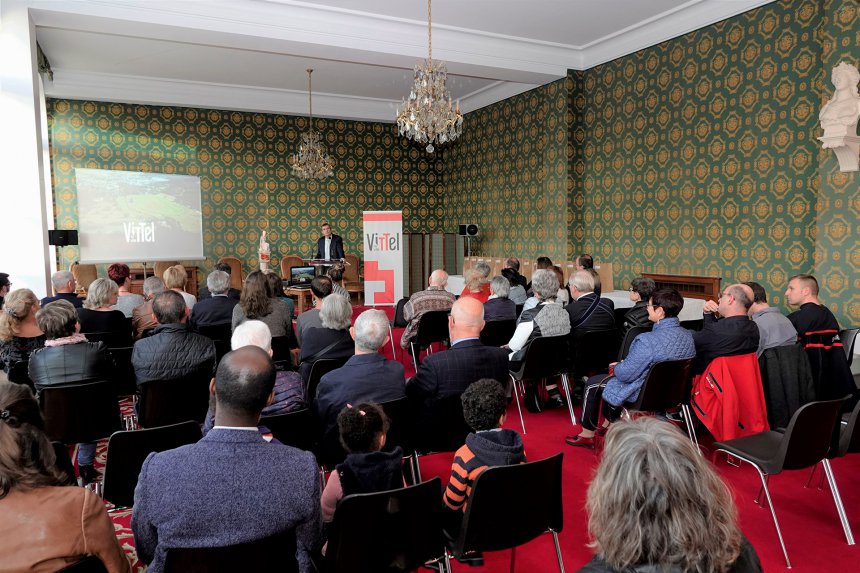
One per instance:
[(312, 161), (428, 114)]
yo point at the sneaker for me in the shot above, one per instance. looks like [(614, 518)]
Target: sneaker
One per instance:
[(472, 559), (88, 474)]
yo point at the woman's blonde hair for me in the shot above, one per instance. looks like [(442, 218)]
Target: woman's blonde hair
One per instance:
[(175, 276), (474, 279), (16, 308), (99, 293), (654, 499)]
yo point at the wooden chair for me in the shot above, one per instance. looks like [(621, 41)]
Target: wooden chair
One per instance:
[(162, 266), (287, 262), (236, 274), (84, 274)]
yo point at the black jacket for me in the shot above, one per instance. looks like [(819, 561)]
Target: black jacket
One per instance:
[(170, 352), (601, 318), (636, 316), (211, 311), (728, 336), (335, 250), (232, 293), (70, 363)]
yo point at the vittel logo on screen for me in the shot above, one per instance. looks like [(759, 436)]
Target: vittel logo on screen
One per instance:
[(139, 232), (383, 241)]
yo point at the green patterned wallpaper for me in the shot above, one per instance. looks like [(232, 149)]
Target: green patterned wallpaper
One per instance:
[(508, 173), (698, 157), (246, 182)]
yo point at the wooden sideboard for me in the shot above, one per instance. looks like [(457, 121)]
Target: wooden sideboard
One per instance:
[(137, 277), (705, 288)]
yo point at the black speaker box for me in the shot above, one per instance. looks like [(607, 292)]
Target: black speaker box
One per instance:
[(63, 238), (468, 230)]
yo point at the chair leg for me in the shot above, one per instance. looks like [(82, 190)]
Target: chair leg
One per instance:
[(414, 356), (517, 400), (416, 469), (811, 475), (773, 514), (567, 394), (691, 429), (837, 499), (513, 558), (557, 551)]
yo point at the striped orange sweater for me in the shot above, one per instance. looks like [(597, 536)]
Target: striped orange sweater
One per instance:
[(482, 450)]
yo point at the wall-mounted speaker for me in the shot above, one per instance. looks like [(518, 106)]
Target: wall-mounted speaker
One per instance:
[(63, 238), (468, 230)]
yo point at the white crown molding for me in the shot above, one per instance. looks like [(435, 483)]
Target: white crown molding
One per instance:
[(491, 94)]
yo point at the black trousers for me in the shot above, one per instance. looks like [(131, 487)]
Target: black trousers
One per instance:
[(592, 403)]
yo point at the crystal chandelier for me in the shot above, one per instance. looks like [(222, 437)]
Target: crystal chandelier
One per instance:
[(311, 162), (428, 114)]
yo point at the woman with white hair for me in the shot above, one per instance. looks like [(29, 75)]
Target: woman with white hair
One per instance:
[(499, 306), (332, 340), (98, 314)]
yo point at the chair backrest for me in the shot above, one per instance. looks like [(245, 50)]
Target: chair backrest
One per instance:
[(275, 553), (281, 348), (111, 339), (809, 435), (399, 321), (19, 373), (388, 531), (498, 332), (848, 336), (628, 339), (432, 327), (510, 505), (80, 413), (288, 262), (123, 371), (84, 274), (351, 272), (164, 402), (320, 368), (546, 356), (849, 439), (667, 385), (236, 274), (127, 451), (593, 350), (297, 429), (64, 462), (448, 428), (220, 335), (397, 412), (89, 564), (162, 266)]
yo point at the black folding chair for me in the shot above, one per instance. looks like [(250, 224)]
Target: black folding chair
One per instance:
[(123, 371), (432, 327), (281, 349), (164, 402), (399, 321), (112, 339), (80, 413), (397, 412), (127, 451), (593, 350), (386, 532), (297, 429), (220, 335), (272, 554), (496, 520), (19, 373), (805, 443), (498, 332), (545, 357), (666, 387), (848, 336), (89, 564), (628, 339), (320, 368), (446, 431)]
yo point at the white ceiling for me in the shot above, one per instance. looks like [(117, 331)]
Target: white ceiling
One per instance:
[(252, 54)]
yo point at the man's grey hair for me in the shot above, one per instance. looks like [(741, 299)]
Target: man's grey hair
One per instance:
[(152, 286), (583, 280), (336, 313), (218, 282), (500, 286), (484, 268), (99, 293), (61, 278), (371, 328), (251, 333), (545, 284)]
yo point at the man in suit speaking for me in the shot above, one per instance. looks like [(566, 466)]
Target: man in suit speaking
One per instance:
[(329, 246)]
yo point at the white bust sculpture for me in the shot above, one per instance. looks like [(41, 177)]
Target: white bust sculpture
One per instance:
[(839, 117), (265, 252)]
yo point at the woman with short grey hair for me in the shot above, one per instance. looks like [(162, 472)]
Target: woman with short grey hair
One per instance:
[(98, 314), (332, 340), (499, 306)]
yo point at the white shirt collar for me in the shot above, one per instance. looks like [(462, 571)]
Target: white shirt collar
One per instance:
[(243, 428)]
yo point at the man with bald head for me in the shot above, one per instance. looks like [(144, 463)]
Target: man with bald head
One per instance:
[(200, 495), (450, 372), (730, 335), (435, 297)]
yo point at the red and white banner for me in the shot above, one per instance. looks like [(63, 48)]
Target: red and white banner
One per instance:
[(383, 257)]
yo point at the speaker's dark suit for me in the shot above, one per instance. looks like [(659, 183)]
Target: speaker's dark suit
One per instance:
[(335, 251)]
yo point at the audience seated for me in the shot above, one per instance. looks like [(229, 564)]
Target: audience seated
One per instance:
[(172, 351), (233, 293), (640, 292), (434, 297), (277, 286), (563, 296), (584, 262), (217, 309), (773, 328), (331, 339), (46, 523), (142, 320), (5, 287), (19, 332), (540, 263), (127, 301), (321, 287), (367, 376), (68, 358), (64, 285), (449, 372), (257, 303), (335, 273), (499, 306), (517, 291), (477, 285), (667, 341), (513, 264), (98, 314), (175, 278), (818, 332), (656, 504), (733, 334), (546, 319), (232, 486), (588, 311)]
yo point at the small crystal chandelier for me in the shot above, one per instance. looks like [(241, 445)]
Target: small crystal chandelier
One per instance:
[(428, 114), (311, 162)]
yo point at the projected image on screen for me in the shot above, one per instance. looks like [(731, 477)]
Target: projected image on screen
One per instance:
[(134, 216)]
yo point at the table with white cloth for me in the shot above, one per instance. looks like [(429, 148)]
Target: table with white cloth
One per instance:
[(693, 307)]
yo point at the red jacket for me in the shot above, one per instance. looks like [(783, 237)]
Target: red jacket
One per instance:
[(728, 397)]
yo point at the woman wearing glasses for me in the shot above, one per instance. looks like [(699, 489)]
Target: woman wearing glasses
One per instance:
[(667, 341)]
